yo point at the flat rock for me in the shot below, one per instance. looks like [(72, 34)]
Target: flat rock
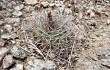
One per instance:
[(17, 13), (7, 61), (18, 52), (31, 2)]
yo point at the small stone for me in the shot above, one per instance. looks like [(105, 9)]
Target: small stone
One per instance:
[(52, 4), (3, 52), (2, 42), (31, 2), (45, 4), (18, 67), (17, 13), (8, 27), (50, 65), (35, 64), (7, 61), (6, 36), (19, 7), (18, 52)]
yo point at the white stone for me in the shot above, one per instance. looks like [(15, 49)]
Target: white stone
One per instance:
[(31, 1), (19, 7), (45, 4), (17, 13)]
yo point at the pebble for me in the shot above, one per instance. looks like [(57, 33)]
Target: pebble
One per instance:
[(18, 67), (31, 2), (2, 42), (7, 61), (17, 13), (18, 52), (3, 52), (45, 4), (19, 7), (6, 36), (50, 65)]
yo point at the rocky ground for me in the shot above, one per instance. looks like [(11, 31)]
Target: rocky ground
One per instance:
[(55, 35)]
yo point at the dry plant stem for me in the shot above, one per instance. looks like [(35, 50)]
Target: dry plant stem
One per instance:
[(30, 44), (51, 23), (70, 56)]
